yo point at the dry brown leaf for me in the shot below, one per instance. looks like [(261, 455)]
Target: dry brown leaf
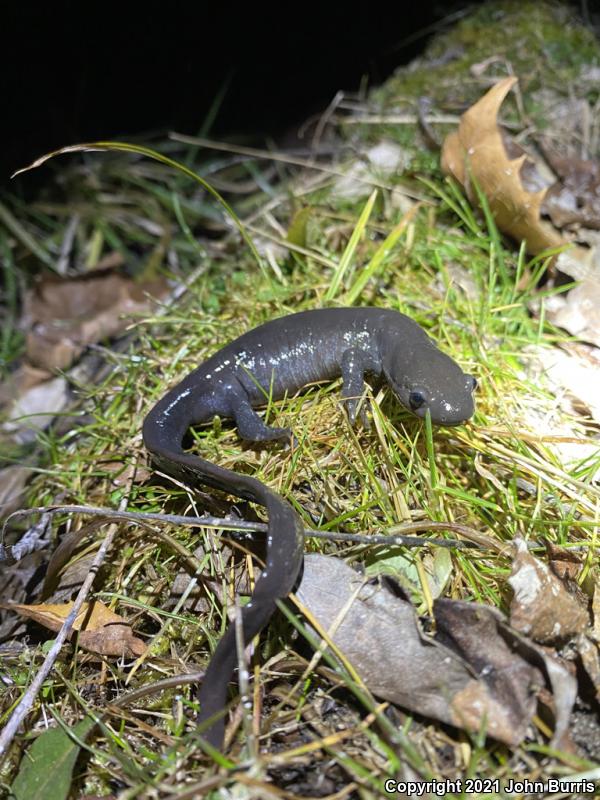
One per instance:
[(64, 315), (65, 573), (477, 148), (501, 657), (518, 195), (542, 607), (566, 564), (100, 630), (378, 633), (124, 474)]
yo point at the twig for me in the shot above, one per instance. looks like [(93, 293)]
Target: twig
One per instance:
[(24, 706), (269, 155), (244, 684), (401, 535), (172, 682), (33, 539)]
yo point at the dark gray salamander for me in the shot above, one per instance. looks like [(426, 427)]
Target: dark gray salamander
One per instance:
[(276, 358)]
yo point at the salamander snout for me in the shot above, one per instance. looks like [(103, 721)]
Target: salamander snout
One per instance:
[(425, 379), (449, 400), (452, 402)]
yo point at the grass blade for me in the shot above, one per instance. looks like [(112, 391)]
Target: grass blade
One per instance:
[(372, 268), (348, 253), (126, 147)]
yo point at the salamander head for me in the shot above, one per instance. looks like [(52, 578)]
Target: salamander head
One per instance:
[(427, 379)]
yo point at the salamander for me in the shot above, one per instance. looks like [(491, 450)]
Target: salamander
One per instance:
[(277, 358)]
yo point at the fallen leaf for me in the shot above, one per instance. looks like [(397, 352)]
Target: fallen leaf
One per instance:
[(579, 311), (125, 473), (380, 635), (542, 607), (499, 654), (477, 149), (436, 569), (572, 371), (519, 196), (566, 564), (65, 573), (575, 198), (297, 229), (65, 315), (34, 410), (100, 630)]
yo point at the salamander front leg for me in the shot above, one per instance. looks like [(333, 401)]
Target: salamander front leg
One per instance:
[(251, 427), (355, 363)]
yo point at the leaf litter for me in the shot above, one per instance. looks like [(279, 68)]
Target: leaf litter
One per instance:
[(522, 192), (521, 196), (475, 155), (451, 677), (483, 158), (62, 316), (99, 630), (542, 608)]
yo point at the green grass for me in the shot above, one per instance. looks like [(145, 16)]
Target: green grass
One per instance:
[(429, 472)]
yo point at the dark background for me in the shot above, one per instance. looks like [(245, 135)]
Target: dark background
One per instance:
[(77, 71)]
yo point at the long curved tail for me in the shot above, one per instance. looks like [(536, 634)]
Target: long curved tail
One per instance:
[(163, 439)]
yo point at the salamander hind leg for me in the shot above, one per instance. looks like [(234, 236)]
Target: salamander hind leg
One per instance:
[(251, 427), (355, 363)]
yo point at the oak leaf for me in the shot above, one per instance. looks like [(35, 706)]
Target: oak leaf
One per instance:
[(476, 152)]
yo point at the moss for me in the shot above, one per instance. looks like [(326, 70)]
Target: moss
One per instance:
[(541, 42)]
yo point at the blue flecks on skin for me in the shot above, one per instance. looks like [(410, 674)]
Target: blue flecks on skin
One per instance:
[(223, 365), (172, 405), (302, 351), (357, 338)]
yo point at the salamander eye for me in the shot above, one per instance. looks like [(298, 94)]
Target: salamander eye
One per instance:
[(472, 382), (416, 399)]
